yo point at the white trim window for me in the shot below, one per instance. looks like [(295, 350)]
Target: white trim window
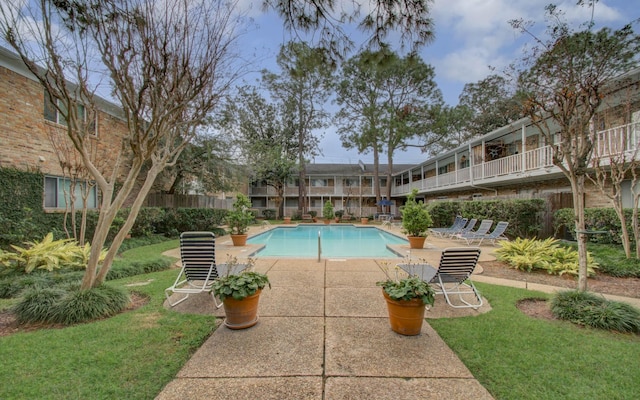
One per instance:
[(319, 182), (52, 114), (57, 192)]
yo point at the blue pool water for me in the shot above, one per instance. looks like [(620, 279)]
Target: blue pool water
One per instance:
[(336, 241)]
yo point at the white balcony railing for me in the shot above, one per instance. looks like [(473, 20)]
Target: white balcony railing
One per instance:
[(617, 140)]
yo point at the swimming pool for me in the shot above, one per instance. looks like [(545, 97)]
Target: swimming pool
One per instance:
[(336, 241)]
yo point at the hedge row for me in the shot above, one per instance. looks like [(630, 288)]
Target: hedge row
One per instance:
[(596, 220), (23, 218), (524, 216)]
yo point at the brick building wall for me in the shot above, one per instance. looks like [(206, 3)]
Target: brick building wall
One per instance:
[(29, 142)]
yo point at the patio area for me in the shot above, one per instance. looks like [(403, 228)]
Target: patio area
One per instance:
[(324, 333)]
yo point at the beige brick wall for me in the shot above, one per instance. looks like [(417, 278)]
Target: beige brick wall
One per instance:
[(29, 142)]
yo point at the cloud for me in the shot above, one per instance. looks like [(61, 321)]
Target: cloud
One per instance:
[(475, 34)]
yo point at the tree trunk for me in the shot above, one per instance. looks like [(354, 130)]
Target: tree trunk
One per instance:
[(626, 239), (131, 219), (376, 176), (280, 191), (636, 224), (577, 184)]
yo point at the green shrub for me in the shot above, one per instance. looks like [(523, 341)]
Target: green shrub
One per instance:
[(529, 254), (269, 213), (87, 305), (48, 254), (596, 219), (38, 305), (524, 216), (69, 305), (180, 220), (611, 260), (119, 271), (590, 310), (416, 219), (327, 210), (147, 221)]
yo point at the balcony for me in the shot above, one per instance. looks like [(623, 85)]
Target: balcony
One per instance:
[(534, 164)]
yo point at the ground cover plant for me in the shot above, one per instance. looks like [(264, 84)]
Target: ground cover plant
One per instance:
[(611, 260), (589, 309), (131, 355), (529, 254), (518, 357), (57, 268)]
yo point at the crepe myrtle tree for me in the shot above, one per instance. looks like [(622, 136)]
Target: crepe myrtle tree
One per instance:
[(563, 83), (167, 64)]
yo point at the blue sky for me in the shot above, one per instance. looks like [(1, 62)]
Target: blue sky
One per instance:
[(472, 37)]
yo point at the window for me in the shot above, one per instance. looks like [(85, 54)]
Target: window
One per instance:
[(320, 182), (52, 114), (348, 182), (57, 193), (259, 202)]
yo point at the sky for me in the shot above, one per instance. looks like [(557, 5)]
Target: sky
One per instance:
[(473, 40)]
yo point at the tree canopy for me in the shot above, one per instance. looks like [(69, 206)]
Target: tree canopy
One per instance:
[(386, 101)]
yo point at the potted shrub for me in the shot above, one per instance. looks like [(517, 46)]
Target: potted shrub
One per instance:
[(314, 215), (327, 212), (239, 220), (364, 220), (406, 301), (416, 221), (240, 296), (339, 215)]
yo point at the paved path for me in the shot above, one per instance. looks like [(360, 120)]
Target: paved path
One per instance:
[(323, 334)]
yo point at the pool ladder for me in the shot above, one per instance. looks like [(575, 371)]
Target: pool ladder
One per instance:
[(319, 247)]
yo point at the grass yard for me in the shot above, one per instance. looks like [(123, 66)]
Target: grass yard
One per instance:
[(518, 357), (130, 356)]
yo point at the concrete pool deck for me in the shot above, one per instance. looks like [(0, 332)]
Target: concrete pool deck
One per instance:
[(324, 334)]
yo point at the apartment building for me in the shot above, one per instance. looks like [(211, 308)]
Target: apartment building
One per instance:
[(349, 187), (513, 161), (33, 134)]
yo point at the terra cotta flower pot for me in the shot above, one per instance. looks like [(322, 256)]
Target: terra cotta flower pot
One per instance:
[(239, 240), (241, 314), (405, 316), (416, 242)]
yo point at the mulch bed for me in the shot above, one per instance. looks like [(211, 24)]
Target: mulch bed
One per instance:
[(539, 308), (627, 287)]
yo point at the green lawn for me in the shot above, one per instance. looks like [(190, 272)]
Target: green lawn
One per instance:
[(130, 356), (518, 357)]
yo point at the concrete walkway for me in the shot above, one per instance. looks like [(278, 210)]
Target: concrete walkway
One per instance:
[(324, 334)]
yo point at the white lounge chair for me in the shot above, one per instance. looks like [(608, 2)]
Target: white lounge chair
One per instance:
[(199, 269), (466, 229), (458, 224), (496, 234), (454, 276), (482, 230)]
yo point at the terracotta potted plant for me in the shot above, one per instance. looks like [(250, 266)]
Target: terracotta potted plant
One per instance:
[(239, 220), (364, 220), (327, 212), (240, 296), (406, 301), (416, 221)]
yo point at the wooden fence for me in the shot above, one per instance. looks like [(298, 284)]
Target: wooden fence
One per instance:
[(186, 201)]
